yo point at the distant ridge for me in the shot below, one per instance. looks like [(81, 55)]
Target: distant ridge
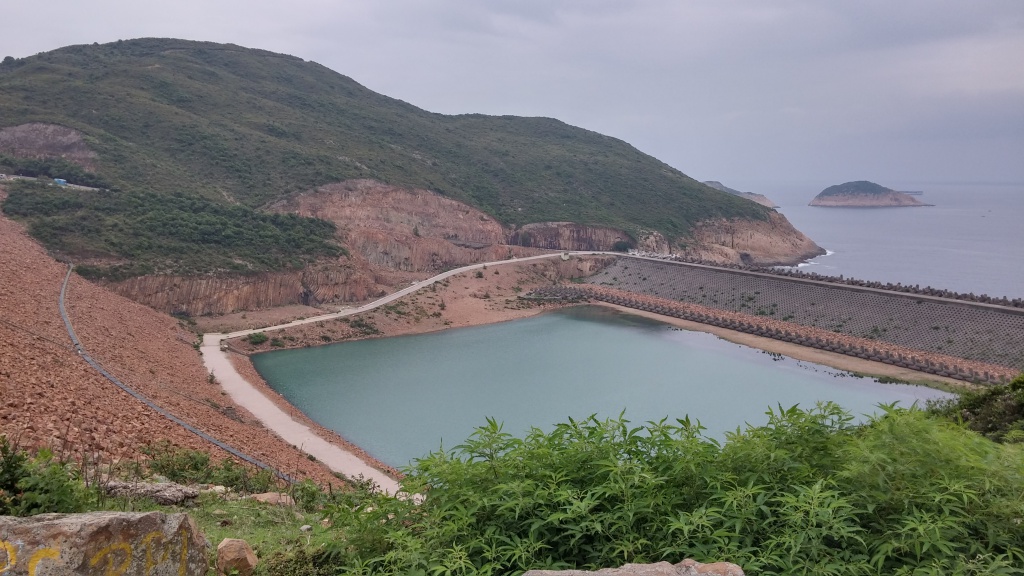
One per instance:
[(759, 198)]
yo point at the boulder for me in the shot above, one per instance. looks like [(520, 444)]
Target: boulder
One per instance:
[(128, 543), (235, 556), (165, 493), (688, 567), (279, 498)]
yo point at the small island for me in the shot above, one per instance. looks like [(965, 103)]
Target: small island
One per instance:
[(753, 197), (864, 194)]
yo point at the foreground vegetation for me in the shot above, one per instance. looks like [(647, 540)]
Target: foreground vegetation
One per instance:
[(143, 233), (909, 492), (808, 493)]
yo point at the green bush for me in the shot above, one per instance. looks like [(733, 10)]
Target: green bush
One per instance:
[(36, 485), (174, 233), (995, 411), (257, 338), (194, 467), (808, 493)]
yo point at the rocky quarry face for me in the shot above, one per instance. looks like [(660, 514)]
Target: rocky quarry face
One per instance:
[(38, 140), (398, 235)]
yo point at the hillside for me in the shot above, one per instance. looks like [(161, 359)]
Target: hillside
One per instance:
[(49, 396), (249, 126), (863, 194), (753, 197)]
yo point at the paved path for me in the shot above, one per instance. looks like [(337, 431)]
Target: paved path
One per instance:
[(274, 418)]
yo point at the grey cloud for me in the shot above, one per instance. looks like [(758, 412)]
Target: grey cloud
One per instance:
[(744, 91)]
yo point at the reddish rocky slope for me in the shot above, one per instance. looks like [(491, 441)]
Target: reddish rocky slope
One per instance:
[(50, 397)]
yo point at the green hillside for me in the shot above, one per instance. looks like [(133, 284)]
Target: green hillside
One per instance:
[(235, 124)]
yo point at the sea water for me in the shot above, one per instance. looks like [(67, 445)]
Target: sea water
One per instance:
[(400, 398), (971, 240)]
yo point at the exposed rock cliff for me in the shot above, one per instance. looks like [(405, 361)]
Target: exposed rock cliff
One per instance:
[(356, 205), (396, 235), (570, 236), (49, 396), (773, 242), (37, 140), (199, 295), (863, 194), (405, 229)]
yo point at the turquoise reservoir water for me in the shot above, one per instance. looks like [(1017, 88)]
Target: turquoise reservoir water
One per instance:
[(400, 398)]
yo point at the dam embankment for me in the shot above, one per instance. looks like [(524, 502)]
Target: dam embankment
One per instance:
[(917, 360), (958, 339)]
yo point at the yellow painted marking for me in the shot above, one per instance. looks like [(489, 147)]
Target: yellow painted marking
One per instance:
[(152, 562), (183, 560), (108, 553), (12, 556), (40, 555)]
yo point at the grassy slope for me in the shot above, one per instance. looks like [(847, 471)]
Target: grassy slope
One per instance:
[(247, 125)]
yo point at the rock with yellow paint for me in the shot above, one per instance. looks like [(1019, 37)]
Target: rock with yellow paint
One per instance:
[(115, 543)]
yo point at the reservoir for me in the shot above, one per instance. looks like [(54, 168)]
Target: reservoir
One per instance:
[(403, 397)]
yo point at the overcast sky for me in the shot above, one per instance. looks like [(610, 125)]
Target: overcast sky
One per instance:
[(758, 94)]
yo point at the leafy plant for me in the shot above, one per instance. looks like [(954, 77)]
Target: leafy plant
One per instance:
[(808, 493), (192, 466), (257, 338), (172, 233), (996, 411), (39, 484)]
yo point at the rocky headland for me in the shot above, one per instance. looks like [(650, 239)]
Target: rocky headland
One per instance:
[(863, 194), (752, 196)]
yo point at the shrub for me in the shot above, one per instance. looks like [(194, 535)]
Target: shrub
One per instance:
[(995, 411), (808, 493), (36, 485), (257, 338), (194, 467)]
